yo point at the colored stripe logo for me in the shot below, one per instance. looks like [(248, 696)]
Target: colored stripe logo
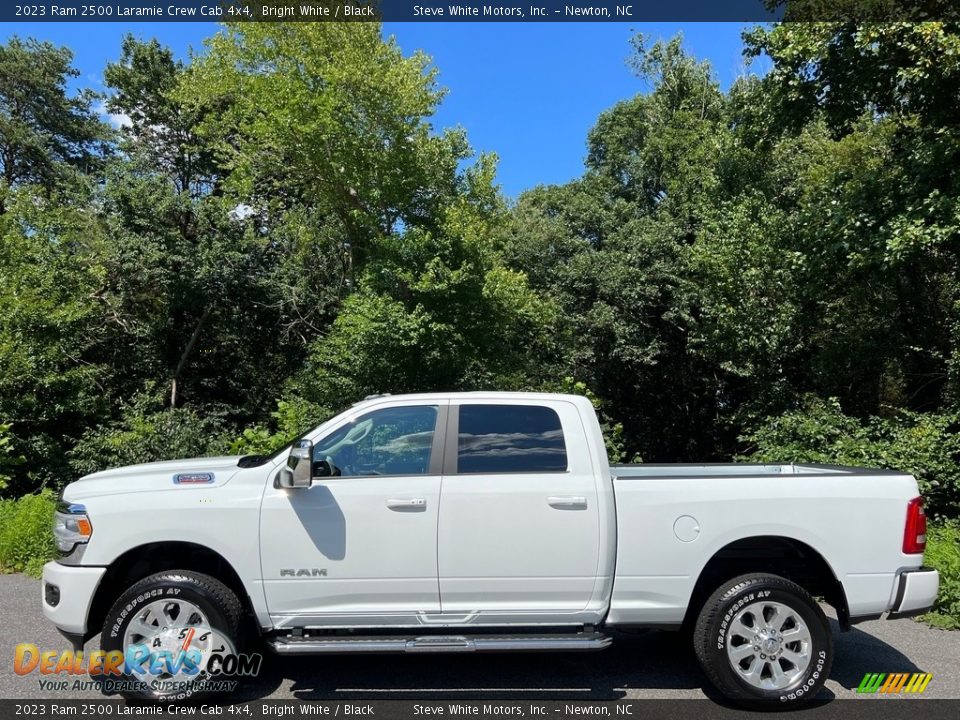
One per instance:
[(893, 683)]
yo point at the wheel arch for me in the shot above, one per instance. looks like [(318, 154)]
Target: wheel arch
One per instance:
[(781, 555), (149, 558)]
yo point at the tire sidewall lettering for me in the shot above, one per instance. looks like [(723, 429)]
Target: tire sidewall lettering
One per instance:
[(748, 597), (811, 680)]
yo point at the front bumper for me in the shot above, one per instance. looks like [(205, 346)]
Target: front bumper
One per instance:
[(66, 594), (916, 592)]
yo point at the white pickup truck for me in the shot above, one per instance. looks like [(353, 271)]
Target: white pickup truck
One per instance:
[(471, 522)]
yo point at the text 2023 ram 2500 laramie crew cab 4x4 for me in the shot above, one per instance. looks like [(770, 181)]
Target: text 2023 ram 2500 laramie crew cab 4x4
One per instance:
[(457, 522)]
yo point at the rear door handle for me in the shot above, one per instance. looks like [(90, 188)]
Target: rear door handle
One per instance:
[(408, 504), (567, 502)]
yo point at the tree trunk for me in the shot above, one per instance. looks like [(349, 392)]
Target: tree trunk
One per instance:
[(186, 355)]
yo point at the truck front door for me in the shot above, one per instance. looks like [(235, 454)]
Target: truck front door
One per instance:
[(359, 547), (519, 520)]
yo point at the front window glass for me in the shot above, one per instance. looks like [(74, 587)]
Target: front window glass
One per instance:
[(392, 441)]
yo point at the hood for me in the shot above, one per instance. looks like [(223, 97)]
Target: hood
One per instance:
[(204, 472), (222, 463)]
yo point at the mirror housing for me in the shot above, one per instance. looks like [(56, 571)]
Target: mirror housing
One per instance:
[(298, 472), (284, 479)]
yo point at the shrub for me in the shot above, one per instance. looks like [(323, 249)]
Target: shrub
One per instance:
[(26, 537), (146, 434), (943, 553), (291, 418), (926, 445)]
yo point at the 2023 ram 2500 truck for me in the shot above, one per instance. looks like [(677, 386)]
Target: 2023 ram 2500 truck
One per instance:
[(459, 522)]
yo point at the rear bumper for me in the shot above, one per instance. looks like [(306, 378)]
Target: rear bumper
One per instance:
[(916, 592), (66, 594)]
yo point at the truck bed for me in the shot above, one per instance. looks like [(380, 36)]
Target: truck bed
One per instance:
[(850, 516)]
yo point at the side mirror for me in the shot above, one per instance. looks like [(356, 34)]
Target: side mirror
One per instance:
[(297, 473)]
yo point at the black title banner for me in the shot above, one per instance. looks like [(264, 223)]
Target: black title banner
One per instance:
[(475, 10), (515, 709)]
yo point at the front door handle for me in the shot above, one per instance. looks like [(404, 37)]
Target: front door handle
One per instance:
[(567, 502), (407, 504)]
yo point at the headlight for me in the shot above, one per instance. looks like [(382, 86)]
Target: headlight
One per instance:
[(71, 526)]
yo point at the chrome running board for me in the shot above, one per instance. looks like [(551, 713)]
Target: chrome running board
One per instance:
[(322, 644)]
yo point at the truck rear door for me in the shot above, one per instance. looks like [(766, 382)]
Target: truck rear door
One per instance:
[(518, 530)]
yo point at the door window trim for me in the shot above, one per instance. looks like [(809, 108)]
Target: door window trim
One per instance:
[(439, 442)]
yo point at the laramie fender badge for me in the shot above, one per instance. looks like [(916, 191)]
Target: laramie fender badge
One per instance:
[(303, 572), (193, 478)]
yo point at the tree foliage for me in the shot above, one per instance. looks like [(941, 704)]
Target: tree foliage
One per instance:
[(434, 307), (148, 431), (7, 458), (46, 134), (331, 117), (53, 382), (191, 281)]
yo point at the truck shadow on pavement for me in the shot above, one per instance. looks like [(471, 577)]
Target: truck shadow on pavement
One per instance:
[(653, 664)]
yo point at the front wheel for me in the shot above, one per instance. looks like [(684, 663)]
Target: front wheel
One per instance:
[(169, 626), (763, 640)]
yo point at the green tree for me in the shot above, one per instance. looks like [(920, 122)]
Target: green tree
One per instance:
[(53, 382), (331, 117), (612, 249), (161, 132), (331, 122), (196, 280), (436, 309), (661, 147), (46, 134), (147, 431), (909, 71), (865, 125)]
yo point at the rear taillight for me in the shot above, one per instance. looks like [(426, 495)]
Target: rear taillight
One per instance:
[(915, 530)]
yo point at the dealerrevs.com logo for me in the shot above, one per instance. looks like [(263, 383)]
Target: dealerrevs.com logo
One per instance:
[(894, 683), (173, 662)]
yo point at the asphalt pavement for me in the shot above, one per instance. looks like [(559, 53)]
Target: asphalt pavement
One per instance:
[(638, 666)]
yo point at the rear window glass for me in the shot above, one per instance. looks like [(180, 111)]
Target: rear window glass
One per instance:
[(510, 438)]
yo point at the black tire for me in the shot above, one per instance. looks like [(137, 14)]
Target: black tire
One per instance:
[(713, 634), (217, 602)]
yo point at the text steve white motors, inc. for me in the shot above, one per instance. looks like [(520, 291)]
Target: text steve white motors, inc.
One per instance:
[(533, 11)]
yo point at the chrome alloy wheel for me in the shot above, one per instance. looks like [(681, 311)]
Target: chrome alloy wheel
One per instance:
[(768, 645), (172, 626)]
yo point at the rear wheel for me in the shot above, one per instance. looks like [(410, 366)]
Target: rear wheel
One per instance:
[(762, 639)]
